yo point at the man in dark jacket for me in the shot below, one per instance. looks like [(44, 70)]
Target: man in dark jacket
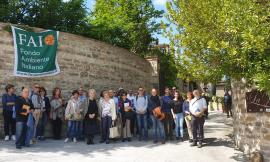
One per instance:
[(23, 107)]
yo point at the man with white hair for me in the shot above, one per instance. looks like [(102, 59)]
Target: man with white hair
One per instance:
[(197, 108)]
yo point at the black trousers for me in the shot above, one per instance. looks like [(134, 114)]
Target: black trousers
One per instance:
[(134, 129), (9, 122), (228, 109), (197, 128), (168, 125), (57, 128)]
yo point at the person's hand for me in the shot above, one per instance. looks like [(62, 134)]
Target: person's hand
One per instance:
[(198, 114), (129, 108)]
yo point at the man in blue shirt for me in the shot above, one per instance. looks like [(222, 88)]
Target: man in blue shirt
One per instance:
[(165, 107), (8, 101), (140, 104)]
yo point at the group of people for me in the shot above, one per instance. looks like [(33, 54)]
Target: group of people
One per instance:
[(133, 114)]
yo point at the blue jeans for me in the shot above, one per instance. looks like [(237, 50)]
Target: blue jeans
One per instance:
[(73, 129), (41, 125), (106, 124), (142, 124), (30, 129), (158, 126), (179, 120), (21, 129)]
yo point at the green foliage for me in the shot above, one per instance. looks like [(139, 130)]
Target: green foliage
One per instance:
[(53, 14), (48, 14), (222, 37), (214, 98), (125, 23)]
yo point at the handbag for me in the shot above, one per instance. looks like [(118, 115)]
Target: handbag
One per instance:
[(158, 113), (114, 133), (188, 117)]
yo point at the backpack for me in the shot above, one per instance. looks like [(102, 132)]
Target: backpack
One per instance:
[(145, 98)]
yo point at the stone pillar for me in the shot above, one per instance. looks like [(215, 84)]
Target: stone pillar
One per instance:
[(251, 130)]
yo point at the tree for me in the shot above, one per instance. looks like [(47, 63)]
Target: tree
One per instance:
[(125, 23), (222, 37), (53, 14)]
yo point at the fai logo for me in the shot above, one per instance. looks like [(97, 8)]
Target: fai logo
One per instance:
[(49, 40)]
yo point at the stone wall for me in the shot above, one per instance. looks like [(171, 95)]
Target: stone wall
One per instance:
[(83, 62), (251, 130)]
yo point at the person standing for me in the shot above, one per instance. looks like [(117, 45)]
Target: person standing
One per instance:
[(165, 107), (57, 113), (141, 103), (45, 113), (108, 114), (9, 112), (90, 118), (158, 126), (73, 114), (133, 121), (23, 107), (188, 115), (37, 114), (207, 99), (177, 111), (127, 114), (197, 108), (82, 99), (228, 104), (113, 96)]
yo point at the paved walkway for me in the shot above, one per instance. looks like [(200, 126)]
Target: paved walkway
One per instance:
[(218, 148)]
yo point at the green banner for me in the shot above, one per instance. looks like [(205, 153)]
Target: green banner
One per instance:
[(35, 53)]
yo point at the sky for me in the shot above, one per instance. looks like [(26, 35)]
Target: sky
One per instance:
[(159, 5)]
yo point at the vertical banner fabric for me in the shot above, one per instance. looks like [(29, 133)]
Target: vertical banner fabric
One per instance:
[(35, 53)]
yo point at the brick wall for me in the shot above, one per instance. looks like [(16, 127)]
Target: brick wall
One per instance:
[(251, 130), (83, 62)]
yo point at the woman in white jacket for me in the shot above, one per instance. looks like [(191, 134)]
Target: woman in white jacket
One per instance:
[(108, 114)]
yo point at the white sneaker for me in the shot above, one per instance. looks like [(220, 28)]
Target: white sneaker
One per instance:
[(6, 138), (74, 140), (66, 140), (13, 137), (31, 142)]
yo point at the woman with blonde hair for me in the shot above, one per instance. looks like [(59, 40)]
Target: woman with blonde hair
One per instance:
[(108, 114), (90, 118), (187, 115)]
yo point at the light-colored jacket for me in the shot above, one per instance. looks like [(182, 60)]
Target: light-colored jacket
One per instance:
[(112, 106), (75, 110), (56, 109)]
